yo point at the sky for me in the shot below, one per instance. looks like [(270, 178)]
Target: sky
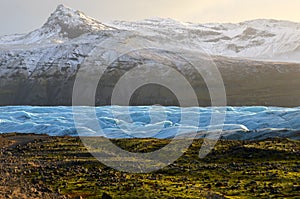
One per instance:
[(21, 16)]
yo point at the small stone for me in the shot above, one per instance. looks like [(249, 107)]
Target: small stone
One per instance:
[(106, 196)]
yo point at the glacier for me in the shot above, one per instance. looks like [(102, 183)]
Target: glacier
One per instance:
[(242, 123)]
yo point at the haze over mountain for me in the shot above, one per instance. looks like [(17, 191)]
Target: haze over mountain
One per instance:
[(39, 68)]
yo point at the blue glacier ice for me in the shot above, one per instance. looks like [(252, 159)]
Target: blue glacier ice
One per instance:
[(255, 122)]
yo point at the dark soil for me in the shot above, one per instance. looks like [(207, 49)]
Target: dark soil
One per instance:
[(39, 166)]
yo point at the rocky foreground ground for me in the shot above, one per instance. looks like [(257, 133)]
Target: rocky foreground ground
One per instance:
[(39, 166)]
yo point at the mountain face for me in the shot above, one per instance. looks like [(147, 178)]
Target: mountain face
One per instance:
[(39, 68), (261, 39)]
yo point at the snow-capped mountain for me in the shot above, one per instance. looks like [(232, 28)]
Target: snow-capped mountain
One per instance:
[(257, 39), (262, 39), (39, 68), (64, 24)]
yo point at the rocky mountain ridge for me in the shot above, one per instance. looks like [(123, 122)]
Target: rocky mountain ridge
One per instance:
[(39, 68)]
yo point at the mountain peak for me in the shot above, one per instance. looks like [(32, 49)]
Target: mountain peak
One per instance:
[(71, 23), (62, 7), (62, 14)]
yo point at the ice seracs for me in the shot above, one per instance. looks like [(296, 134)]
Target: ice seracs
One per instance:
[(242, 123)]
